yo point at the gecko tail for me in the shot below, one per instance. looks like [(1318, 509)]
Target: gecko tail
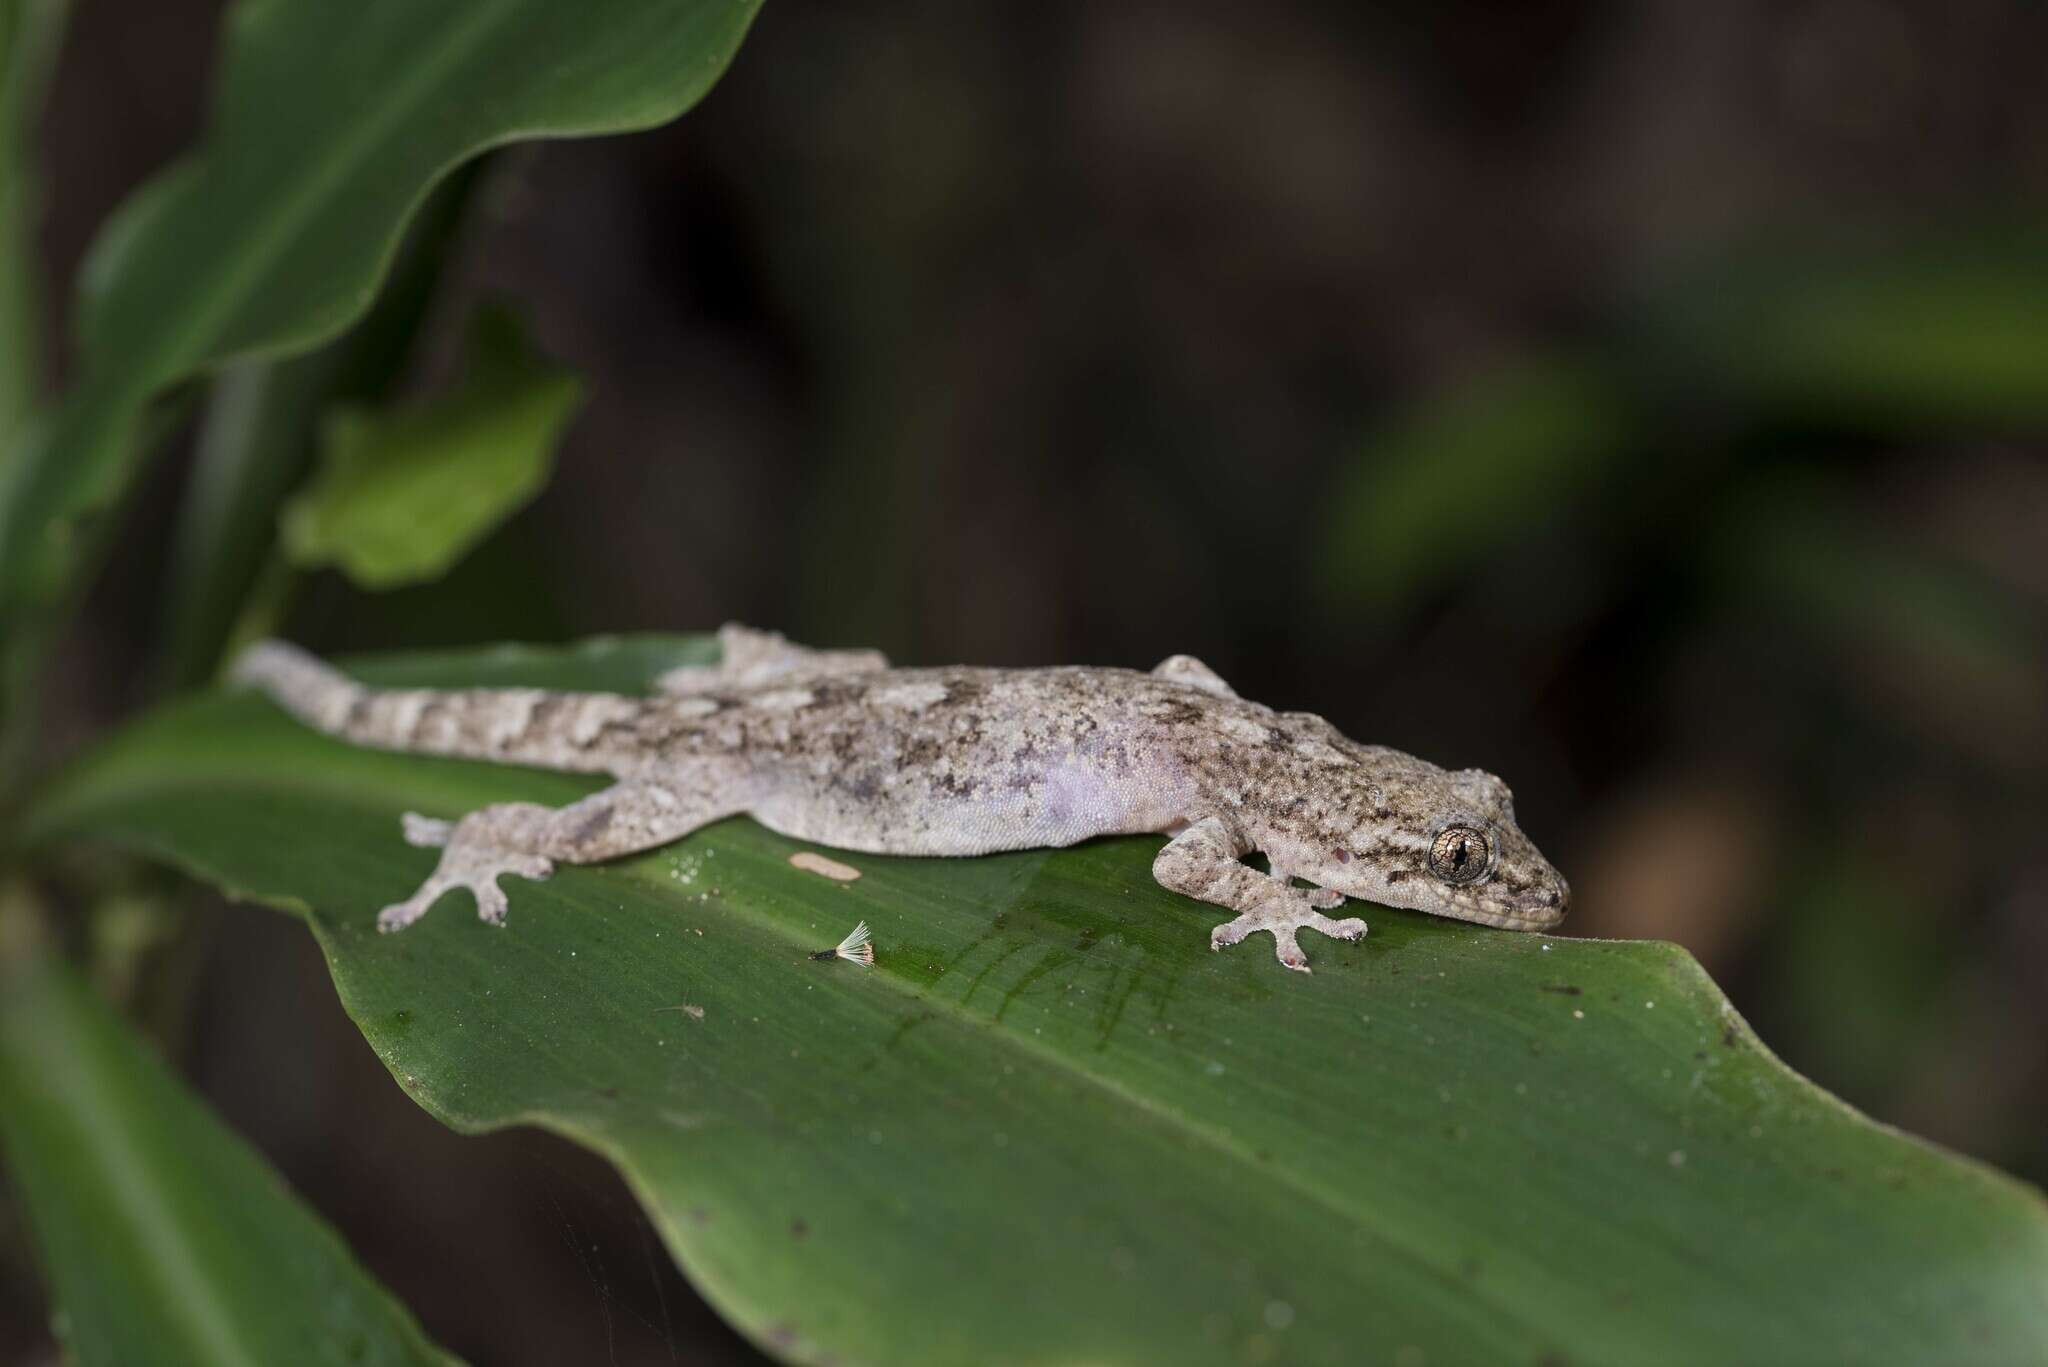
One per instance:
[(564, 731), (310, 689)]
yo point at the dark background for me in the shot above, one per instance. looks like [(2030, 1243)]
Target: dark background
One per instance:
[(1642, 402)]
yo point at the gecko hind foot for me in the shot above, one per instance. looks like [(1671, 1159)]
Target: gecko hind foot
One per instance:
[(1283, 923), (470, 864)]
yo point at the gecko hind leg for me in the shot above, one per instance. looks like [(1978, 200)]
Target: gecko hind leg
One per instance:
[(1206, 861), (527, 839), (749, 658)]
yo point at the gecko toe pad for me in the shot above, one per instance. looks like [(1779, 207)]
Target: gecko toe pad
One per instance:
[(1282, 923)]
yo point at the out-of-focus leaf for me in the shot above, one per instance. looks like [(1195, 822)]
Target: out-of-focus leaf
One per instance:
[(30, 32), (1467, 468), (401, 494), (1050, 1125), (1935, 643), (330, 123), (257, 442), (1929, 335), (166, 1238)]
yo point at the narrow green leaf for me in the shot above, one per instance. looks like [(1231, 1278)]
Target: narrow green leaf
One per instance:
[(166, 1238), (1446, 482), (1051, 1126), (402, 495), (330, 123)]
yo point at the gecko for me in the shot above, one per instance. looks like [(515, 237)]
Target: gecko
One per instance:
[(838, 748)]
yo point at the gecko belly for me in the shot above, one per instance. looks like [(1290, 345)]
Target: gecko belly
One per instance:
[(921, 814)]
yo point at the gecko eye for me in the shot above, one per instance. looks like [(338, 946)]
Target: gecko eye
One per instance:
[(1342, 856), (1460, 855)]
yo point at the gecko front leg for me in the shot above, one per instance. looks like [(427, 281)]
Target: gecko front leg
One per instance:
[(527, 839), (1206, 861)]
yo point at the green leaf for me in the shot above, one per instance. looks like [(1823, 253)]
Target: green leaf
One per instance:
[(30, 33), (166, 1238), (402, 495), (330, 123), (258, 439), (1464, 469), (1051, 1126)]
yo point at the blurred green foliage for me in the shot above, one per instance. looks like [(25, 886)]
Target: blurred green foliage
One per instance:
[(330, 126), (1465, 471), (401, 495), (258, 438), (29, 33), (1936, 332), (166, 1238)]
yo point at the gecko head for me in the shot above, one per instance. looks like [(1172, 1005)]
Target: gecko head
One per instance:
[(1433, 840)]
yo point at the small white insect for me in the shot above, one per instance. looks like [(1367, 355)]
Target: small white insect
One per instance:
[(854, 947)]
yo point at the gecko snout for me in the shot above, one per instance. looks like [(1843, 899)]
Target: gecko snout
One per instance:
[(1546, 904)]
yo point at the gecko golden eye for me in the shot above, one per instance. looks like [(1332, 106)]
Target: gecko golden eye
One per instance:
[(1460, 855)]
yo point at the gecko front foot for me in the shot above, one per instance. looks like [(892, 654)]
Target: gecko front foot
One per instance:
[(1283, 921), (469, 859)]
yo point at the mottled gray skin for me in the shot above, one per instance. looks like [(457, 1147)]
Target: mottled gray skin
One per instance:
[(838, 748)]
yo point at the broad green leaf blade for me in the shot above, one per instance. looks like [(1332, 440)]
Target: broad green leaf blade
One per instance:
[(401, 495), (330, 123), (1051, 1126), (166, 1238)]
